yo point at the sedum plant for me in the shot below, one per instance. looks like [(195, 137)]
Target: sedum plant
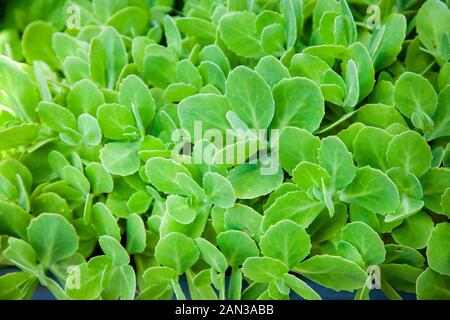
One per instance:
[(246, 148)]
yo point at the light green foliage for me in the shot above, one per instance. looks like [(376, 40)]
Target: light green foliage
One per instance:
[(248, 149)]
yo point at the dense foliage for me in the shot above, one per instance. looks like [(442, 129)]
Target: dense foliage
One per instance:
[(99, 199)]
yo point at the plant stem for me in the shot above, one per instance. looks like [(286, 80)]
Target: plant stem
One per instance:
[(235, 286), (178, 291)]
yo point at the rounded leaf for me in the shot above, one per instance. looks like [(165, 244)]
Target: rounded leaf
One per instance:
[(410, 151), (264, 269), (286, 241), (236, 246), (438, 251), (120, 158), (52, 237), (177, 251)]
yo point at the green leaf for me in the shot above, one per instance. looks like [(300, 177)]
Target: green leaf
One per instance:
[(37, 43), (218, 190), (243, 218), (401, 277), (411, 152), (189, 74), (52, 237), (306, 151), (383, 93), (195, 27), (433, 286), (189, 186), (416, 59), (107, 57), (249, 181), (298, 103), (21, 100), (370, 147), (17, 286), (104, 222), (122, 284), (236, 246), (443, 77), (326, 227), (366, 241), (22, 255), (372, 190), (348, 251), (351, 80), (414, 231), (86, 281), (410, 191), (100, 180), (41, 81), (158, 275), (179, 209), (66, 46), (333, 272), (56, 117), (106, 8), (415, 95), (134, 94), (441, 118), (264, 269), (296, 206), (214, 54), (432, 23), (136, 234), (379, 115), (139, 202), (272, 70), (84, 97), (156, 292), (312, 67), (129, 21), (16, 136), (250, 97), (286, 241), (300, 287), (89, 129), (209, 110), (76, 179), (334, 157), (211, 255), (445, 200), (403, 255), (212, 74), (203, 278), (162, 174), (291, 23), (434, 184), (76, 69), (390, 45), (10, 43), (358, 53), (113, 249), (237, 28), (159, 70), (178, 91), (116, 121), (438, 253), (177, 251), (120, 158), (272, 39), (173, 36), (8, 192)]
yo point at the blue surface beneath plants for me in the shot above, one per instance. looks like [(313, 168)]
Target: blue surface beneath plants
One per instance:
[(43, 293)]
